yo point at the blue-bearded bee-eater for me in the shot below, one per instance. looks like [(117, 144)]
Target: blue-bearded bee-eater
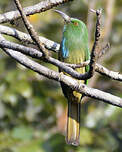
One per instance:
[(74, 49)]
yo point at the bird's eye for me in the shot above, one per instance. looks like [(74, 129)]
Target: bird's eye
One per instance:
[(75, 23)]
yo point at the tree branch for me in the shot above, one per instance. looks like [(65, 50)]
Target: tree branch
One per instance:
[(111, 74), (35, 38), (67, 67), (51, 74), (82, 88), (103, 51), (95, 45), (50, 45), (31, 30), (38, 8)]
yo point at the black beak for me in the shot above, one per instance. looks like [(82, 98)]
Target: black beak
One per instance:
[(66, 18)]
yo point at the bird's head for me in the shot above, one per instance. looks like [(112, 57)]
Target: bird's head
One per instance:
[(70, 22)]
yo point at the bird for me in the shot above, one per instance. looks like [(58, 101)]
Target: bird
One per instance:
[(73, 50)]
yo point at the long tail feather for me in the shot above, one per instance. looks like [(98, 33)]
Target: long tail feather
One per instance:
[(73, 123)]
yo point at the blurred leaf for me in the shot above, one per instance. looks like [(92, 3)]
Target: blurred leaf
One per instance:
[(86, 136), (55, 143), (22, 132)]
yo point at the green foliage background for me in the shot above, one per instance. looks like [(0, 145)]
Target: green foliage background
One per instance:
[(31, 105)]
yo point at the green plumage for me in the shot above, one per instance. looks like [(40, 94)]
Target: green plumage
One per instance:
[(74, 50)]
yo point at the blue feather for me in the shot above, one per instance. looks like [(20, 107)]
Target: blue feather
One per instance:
[(64, 50)]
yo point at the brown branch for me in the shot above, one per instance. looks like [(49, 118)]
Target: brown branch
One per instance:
[(95, 45), (82, 88), (38, 8), (31, 30)]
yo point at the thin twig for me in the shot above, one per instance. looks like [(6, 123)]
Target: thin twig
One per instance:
[(80, 65), (37, 8), (25, 38), (103, 51), (95, 45), (111, 74), (31, 30)]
